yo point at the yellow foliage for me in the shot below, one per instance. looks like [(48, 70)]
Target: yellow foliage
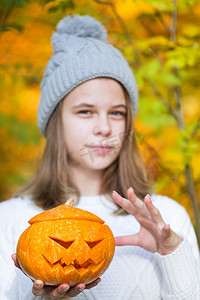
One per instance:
[(129, 9)]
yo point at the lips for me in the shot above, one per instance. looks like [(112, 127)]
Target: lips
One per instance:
[(100, 149)]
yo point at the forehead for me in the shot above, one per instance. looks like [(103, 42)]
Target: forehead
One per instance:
[(97, 91)]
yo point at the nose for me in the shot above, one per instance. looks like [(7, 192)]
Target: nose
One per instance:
[(102, 126)]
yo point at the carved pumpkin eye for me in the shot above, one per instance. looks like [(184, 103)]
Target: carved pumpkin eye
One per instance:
[(66, 245), (92, 244)]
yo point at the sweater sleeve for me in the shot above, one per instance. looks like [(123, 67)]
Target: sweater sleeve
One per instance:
[(14, 215), (10, 229), (180, 274), (181, 268)]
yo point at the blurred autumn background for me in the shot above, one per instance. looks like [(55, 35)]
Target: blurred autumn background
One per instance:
[(160, 39)]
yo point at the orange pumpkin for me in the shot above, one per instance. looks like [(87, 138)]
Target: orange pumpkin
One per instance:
[(65, 245)]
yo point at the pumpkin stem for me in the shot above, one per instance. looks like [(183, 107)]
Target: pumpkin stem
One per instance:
[(70, 202)]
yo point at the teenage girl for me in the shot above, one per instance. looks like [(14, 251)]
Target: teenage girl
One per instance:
[(86, 113)]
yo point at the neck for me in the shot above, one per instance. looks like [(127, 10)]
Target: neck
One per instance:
[(88, 182)]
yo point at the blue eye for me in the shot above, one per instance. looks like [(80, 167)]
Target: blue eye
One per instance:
[(84, 112), (118, 113)]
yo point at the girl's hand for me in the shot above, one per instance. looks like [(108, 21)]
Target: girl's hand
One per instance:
[(63, 291), (154, 235)]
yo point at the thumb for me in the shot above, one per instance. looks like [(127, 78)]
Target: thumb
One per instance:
[(14, 258), (127, 240)]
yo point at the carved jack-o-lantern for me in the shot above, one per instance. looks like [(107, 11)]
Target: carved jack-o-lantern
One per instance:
[(65, 244)]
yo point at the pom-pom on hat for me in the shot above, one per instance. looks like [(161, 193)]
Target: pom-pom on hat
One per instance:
[(80, 53)]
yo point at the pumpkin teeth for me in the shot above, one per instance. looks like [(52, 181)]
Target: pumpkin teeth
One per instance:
[(88, 264), (76, 264), (63, 264)]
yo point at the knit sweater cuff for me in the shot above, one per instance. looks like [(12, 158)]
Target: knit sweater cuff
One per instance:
[(180, 272)]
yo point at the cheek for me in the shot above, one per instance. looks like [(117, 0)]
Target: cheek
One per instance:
[(119, 132), (76, 137)]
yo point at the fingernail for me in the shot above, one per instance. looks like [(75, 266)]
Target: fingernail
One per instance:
[(65, 288), (148, 197), (130, 189), (98, 280), (38, 284), (81, 289)]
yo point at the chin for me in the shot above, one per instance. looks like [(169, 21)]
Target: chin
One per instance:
[(101, 164)]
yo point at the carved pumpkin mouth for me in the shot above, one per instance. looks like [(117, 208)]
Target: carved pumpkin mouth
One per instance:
[(76, 265), (88, 266), (82, 267)]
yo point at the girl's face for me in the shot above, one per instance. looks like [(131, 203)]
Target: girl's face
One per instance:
[(93, 116)]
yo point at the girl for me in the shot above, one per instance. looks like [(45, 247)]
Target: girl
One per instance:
[(86, 112)]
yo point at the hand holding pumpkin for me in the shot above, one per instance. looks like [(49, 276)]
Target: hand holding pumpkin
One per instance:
[(63, 291), (154, 235)]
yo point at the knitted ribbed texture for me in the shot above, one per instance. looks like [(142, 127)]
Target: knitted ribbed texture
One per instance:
[(81, 53), (173, 264)]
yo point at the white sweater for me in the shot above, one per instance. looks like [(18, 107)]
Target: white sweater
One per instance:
[(134, 272)]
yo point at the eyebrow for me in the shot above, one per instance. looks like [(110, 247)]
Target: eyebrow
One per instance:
[(91, 105)]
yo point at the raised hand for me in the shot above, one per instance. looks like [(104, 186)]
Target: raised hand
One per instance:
[(154, 235), (63, 291)]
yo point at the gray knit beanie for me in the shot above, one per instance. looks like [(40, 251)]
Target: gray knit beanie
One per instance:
[(81, 52)]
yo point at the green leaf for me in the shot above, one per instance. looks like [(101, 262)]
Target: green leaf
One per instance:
[(161, 5), (187, 3), (186, 145), (15, 179), (183, 56), (168, 78), (153, 113), (24, 132), (8, 4), (150, 69), (16, 26), (43, 2), (62, 6)]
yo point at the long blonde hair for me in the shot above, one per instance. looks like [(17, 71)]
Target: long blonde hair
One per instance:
[(52, 186)]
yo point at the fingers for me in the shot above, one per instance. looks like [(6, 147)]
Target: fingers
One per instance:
[(132, 205), (93, 284), (154, 235), (60, 292), (123, 202), (154, 212), (143, 211), (63, 291), (127, 240), (138, 204), (166, 231), (74, 291), (38, 288)]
